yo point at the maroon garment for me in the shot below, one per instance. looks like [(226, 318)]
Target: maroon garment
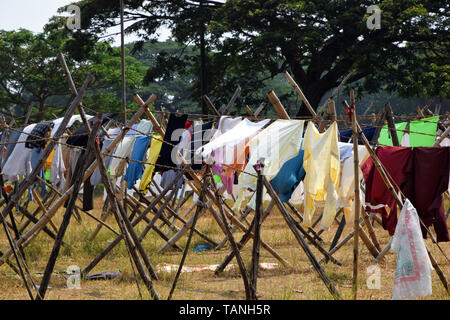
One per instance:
[(394, 160), (426, 179)]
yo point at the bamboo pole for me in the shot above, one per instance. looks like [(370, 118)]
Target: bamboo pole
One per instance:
[(357, 197), (277, 105), (300, 92), (259, 167)]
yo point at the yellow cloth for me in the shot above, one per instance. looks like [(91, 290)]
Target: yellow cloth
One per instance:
[(322, 166), (155, 148), (48, 162)]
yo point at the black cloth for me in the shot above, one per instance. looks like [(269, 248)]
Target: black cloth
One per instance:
[(426, 179), (165, 156), (80, 137), (39, 131)]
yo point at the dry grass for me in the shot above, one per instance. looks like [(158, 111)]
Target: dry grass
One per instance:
[(281, 283)]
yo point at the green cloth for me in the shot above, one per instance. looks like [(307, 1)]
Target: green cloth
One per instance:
[(47, 174), (217, 179), (385, 138), (426, 125)]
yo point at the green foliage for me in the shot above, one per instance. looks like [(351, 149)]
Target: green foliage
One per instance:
[(319, 42), (31, 75)]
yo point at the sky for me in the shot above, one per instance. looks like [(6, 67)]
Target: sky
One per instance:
[(34, 14)]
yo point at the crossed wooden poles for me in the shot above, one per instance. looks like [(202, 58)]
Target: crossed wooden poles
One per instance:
[(210, 198)]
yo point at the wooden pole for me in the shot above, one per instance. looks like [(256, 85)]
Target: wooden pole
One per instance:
[(277, 105), (122, 58), (357, 200), (259, 167), (234, 246), (300, 92), (290, 222), (391, 125), (199, 208)]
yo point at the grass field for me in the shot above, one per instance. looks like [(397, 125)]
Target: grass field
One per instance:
[(301, 282)]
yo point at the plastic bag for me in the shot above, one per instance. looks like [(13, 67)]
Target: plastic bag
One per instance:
[(413, 272)]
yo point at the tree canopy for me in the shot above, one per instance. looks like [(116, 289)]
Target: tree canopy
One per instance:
[(32, 80), (318, 42)]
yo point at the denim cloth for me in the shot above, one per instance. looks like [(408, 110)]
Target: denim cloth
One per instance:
[(136, 169), (289, 176)]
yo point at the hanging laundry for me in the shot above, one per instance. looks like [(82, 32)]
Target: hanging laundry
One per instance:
[(276, 144), (233, 143), (37, 135), (289, 176), (226, 123), (96, 177), (346, 188), (18, 162), (58, 167), (144, 127), (135, 169), (423, 132), (347, 135), (167, 178), (80, 137), (345, 151), (413, 272), (377, 196), (201, 135), (174, 130), (426, 179), (242, 131), (12, 139), (155, 148), (322, 166), (385, 138), (183, 146), (36, 155), (73, 119), (123, 151)]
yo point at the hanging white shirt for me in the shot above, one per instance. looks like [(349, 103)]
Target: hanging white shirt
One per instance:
[(57, 122), (242, 131), (19, 162)]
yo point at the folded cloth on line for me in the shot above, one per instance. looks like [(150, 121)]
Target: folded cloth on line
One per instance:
[(37, 135), (347, 135), (242, 131)]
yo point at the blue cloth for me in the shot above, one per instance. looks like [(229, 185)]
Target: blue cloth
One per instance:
[(36, 155), (202, 247), (346, 135), (136, 169), (289, 176)]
